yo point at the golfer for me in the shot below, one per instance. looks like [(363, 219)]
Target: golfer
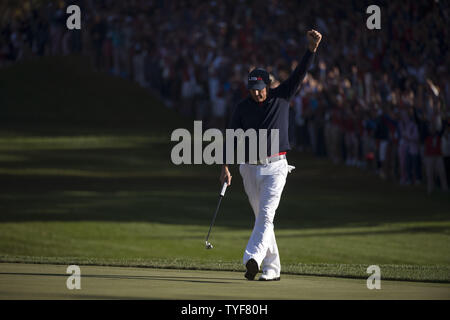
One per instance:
[(264, 181)]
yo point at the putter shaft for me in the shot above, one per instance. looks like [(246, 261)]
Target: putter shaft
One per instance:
[(214, 218), (221, 195)]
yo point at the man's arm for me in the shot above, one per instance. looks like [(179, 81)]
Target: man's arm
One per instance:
[(289, 87), (225, 175)]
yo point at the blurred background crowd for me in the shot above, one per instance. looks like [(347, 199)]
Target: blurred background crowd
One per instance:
[(375, 99)]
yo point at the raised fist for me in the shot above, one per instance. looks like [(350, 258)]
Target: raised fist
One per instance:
[(314, 38)]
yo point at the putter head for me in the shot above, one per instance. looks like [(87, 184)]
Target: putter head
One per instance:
[(208, 245)]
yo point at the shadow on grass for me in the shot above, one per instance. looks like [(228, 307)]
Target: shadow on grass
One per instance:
[(126, 277), (429, 229), (191, 200)]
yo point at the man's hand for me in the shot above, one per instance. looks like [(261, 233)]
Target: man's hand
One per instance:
[(314, 38), (225, 175)]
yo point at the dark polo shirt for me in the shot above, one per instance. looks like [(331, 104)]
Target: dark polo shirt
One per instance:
[(273, 113)]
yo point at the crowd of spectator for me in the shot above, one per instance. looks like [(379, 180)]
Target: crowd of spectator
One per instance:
[(375, 99)]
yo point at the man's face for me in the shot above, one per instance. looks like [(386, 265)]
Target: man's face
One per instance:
[(259, 95)]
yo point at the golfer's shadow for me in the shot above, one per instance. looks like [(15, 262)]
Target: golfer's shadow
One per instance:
[(163, 278), (125, 277)]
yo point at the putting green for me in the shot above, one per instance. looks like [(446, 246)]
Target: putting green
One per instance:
[(39, 281)]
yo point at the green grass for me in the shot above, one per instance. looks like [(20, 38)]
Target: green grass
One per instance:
[(86, 177)]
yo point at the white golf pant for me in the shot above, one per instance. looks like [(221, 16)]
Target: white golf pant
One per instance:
[(264, 185)]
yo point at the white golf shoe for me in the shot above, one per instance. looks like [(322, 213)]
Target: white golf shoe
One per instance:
[(269, 275)]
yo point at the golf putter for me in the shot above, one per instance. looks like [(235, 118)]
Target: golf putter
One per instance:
[(222, 193)]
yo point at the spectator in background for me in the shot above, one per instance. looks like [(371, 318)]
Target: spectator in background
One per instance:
[(217, 100), (301, 134), (402, 147), (382, 137), (138, 61), (412, 149), (312, 106), (446, 151), (368, 141), (98, 36), (57, 25), (419, 117), (336, 129), (327, 128), (66, 43), (351, 142), (393, 143), (117, 46), (434, 163)]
